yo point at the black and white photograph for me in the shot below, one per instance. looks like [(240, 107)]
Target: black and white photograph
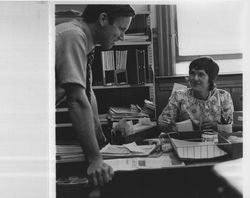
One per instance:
[(124, 99)]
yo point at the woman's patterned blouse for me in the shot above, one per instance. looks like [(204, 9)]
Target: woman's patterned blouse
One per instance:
[(183, 105)]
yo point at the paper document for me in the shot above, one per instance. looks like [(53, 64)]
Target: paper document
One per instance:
[(124, 150), (178, 87), (196, 150), (69, 153), (128, 164), (185, 125), (68, 149)]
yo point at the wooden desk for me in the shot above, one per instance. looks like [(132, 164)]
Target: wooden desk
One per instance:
[(196, 179)]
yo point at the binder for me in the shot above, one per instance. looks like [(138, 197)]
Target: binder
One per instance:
[(136, 66), (120, 67), (108, 67)]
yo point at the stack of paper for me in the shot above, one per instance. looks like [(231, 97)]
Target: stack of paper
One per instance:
[(148, 108), (127, 150), (69, 153), (117, 113)]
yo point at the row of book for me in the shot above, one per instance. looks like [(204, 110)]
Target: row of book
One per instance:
[(114, 60), (123, 66)]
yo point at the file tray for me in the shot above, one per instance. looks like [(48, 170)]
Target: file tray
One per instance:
[(234, 149), (189, 146)]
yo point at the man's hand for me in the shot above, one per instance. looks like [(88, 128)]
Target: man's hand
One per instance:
[(99, 172)]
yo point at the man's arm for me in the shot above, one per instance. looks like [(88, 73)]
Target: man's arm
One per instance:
[(82, 120), (98, 129)]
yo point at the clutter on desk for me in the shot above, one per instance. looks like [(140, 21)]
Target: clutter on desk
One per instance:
[(127, 150), (125, 127), (117, 113)]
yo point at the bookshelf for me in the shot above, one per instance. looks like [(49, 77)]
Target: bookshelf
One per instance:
[(136, 77)]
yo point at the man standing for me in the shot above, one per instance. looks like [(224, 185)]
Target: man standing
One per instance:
[(75, 41)]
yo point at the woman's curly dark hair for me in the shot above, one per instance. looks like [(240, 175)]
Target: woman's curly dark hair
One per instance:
[(209, 65)]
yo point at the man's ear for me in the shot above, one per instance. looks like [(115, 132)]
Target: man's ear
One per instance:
[(103, 19)]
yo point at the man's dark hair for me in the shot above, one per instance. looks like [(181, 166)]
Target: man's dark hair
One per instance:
[(209, 65), (92, 12)]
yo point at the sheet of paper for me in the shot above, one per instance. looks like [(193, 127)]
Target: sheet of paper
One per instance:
[(178, 86), (185, 125), (128, 164), (197, 150)]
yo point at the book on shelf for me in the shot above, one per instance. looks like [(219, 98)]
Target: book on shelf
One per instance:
[(139, 24), (136, 66), (108, 67), (121, 67)]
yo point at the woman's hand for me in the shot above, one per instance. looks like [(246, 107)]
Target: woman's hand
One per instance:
[(204, 125), (167, 125), (209, 125)]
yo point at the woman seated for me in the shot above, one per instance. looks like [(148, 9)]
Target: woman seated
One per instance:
[(203, 103)]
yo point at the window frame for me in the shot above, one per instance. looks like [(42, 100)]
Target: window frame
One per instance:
[(181, 58)]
